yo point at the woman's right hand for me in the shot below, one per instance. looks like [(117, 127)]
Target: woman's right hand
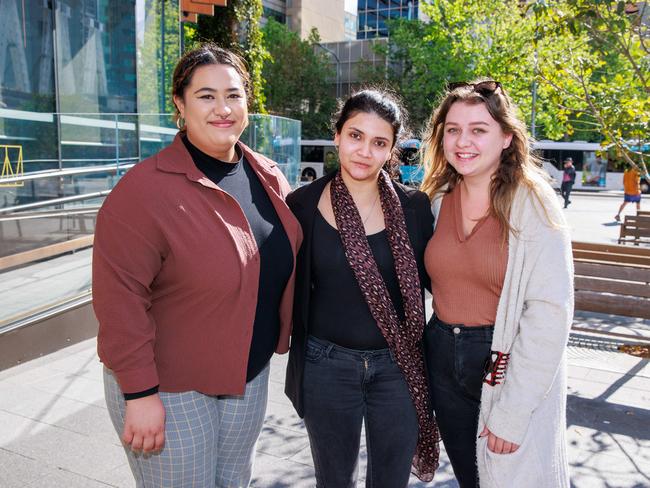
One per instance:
[(144, 424)]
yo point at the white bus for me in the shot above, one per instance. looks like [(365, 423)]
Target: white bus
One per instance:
[(589, 159), (317, 156)]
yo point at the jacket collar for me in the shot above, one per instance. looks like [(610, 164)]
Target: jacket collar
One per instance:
[(175, 158)]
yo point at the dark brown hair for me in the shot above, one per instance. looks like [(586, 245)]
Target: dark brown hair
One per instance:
[(208, 53), (387, 107)]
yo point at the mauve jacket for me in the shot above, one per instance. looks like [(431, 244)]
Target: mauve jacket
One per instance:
[(176, 275)]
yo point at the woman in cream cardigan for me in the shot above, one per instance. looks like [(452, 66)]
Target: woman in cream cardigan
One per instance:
[(502, 282)]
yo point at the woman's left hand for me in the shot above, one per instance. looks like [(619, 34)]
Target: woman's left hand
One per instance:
[(497, 444)]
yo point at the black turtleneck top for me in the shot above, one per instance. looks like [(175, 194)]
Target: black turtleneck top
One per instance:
[(276, 258)]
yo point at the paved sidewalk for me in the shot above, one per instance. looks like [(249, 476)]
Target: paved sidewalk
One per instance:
[(55, 430)]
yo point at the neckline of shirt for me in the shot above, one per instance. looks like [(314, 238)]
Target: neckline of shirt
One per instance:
[(201, 158)]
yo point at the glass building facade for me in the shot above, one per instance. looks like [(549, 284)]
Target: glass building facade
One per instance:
[(75, 74), (85, 93), (373, 14)]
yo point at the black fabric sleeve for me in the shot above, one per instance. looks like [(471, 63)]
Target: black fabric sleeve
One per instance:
[(141, 394), (426, 221)]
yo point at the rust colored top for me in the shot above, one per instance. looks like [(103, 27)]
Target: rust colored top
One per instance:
[(175, 276), (466, 272)]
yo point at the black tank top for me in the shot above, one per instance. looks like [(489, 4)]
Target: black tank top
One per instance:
[(338, 310)]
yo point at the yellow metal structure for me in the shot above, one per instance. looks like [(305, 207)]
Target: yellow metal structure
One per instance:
[(8, 171)]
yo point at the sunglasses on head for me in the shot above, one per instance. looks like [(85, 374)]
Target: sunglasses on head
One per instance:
[(485, 88)]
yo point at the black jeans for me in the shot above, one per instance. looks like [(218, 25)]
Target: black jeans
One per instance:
[(565, 191), (456, 356), (344, 388)]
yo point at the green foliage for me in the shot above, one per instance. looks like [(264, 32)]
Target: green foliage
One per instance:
[(462, 41), (604, 72), (587, 61), (249, 13), (236, 27), (297, 74), (220, 29)]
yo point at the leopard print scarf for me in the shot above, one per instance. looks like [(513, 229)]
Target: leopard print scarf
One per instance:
[(403, 338)]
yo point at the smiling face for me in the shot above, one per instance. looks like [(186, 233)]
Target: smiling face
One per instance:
[(473, 140), (215, 111), (365, 144)]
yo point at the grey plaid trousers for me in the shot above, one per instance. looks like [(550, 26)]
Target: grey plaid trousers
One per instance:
[(209, 440)]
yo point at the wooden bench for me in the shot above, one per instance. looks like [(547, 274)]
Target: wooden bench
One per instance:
[(643, 213), (612, 279), (635, 229)]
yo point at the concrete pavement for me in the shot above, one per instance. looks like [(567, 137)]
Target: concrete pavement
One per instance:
[(55, 430)]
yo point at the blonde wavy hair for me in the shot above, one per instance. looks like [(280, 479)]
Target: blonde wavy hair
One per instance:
[(518, 165)]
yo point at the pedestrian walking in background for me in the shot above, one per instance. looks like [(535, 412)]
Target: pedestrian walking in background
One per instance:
[(193, 277), (631, 190), (568, 180), (502, 283), (356, 350)]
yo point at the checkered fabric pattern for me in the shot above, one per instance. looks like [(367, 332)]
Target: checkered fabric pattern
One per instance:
[(209, 440)]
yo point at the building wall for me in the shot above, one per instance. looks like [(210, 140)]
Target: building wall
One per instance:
[(373, 14), (303, 15), (351, 58)]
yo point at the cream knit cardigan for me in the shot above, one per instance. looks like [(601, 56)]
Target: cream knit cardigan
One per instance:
[(533, 319)]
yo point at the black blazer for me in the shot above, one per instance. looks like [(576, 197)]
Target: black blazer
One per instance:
[(304, 203)]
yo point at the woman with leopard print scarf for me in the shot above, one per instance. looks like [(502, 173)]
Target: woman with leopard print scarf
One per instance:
[(356, 350)]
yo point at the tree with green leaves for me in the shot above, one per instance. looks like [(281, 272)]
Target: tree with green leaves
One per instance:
[(297, 75), (236, 27), (466, 40), (604, 72), (527, 47)]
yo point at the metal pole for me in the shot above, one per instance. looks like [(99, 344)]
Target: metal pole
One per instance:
[(117, 146), (533, 128), (57, 87), (163, 94)]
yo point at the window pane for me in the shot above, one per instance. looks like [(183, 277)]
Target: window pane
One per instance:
[(27, 97)]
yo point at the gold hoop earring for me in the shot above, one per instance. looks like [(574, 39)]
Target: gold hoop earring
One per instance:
[(178, 122)]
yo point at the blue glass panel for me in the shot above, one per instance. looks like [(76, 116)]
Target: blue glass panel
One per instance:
[(158, 46), (277, 138), (26, 88), (371, 20), (96, 73), (96, 56)]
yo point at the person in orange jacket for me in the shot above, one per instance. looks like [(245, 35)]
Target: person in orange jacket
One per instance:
[(631, 190)]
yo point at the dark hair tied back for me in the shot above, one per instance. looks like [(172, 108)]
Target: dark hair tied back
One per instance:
[(206, 54), (387, 106)]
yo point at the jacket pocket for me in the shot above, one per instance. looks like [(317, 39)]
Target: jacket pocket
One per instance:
[(515, 470)]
